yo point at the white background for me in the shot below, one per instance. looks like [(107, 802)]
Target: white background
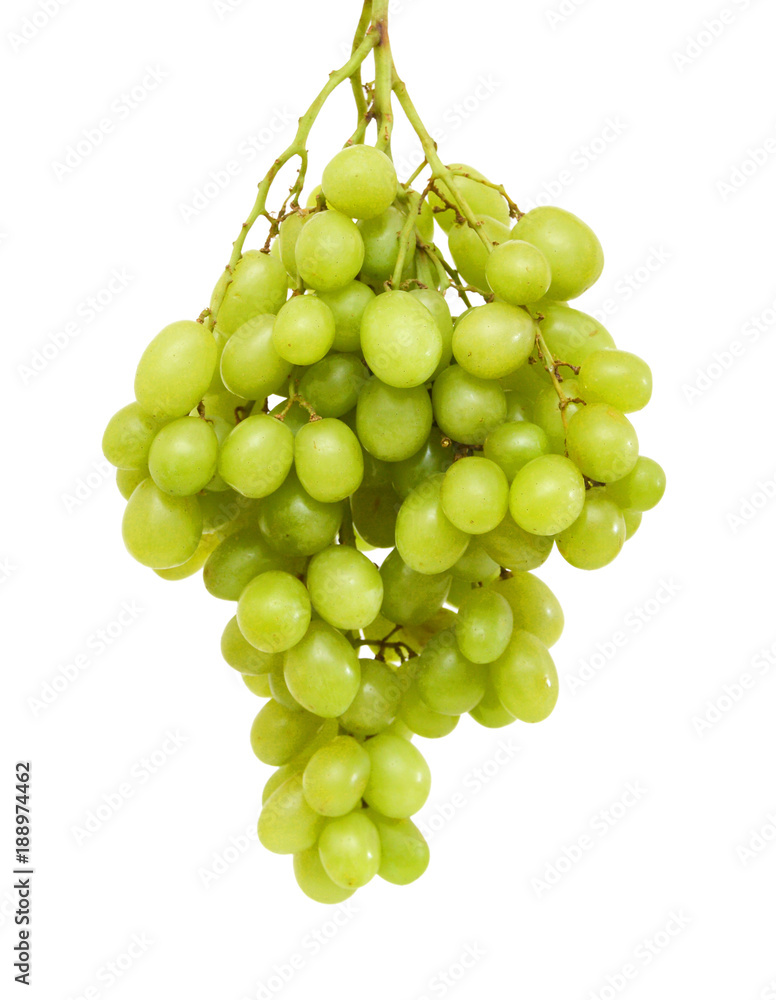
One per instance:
[(540, 90)]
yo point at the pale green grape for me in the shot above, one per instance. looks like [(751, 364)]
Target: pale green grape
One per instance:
[(303, 331), (217, 383), (279, 777), (597, 536), (244, 657), (238, 559), (410, 597), (426, 540), (547, 495), (517, 408), (467, 408), (278, 733), (392, 423), (474, 495), (377, 700), (448, 682), (535, 608), (475, 565), (570, 335), (287, 824), (490, 712), (257, 456), (296, 524), (360, 181), (425, 221), (401, 340), (336, 776), (257, 684), (643, 487), (439, 309), (494, 340), (222, 429), (602, 442), (329, 251), (288, 234), (346, 589), (432, 458), (294, 417), (514, 548), (176, 369), (525, 678), (312, 879), (159, 530), (128, 436), (347, 305), (404, 853), (480, 198), (258, 285), (459, 589), (484, 626), (278, 689), (381, 247), (193, 564), (515, 444), (322, 671), (274, 611), (328, 459), (548, 415), (332, 385), (518, 272), (422, 720), (225, 511), (570, 245), (469, 251), (399, 780), (525, 384), (349, 849), (250, 365), (128, 479), (632, 522), (618, 378), (184, 456), (223, 405), (374, 511)]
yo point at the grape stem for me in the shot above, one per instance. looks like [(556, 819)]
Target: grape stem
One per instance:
[(384, 72), (359, 94), (406, 238)]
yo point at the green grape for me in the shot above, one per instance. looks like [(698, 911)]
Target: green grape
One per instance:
[(643, 487), (432, 458), (426, 540), (278, 689), (287, 824), (222, 429), (447, 681), (480, 198), (525, 678), (493, 340), (273, 611), (128, 479), (517, 409), (435, 303), (401, 340), (223, 405), (332, 385), (159, 530), (374, 511), (411, 597), (618, 378), (257, 285), (525, 384), (469, 251), (404, 853), (459, 589), (632, 522), (602, 442), (392, 423), (193, 564), (570, 335), (360, 181), (329, 729), (176, 369), (514, 548), (250, 365), (475, 495), (256, 456), (399, 781), (336, 776), (312, 879), (484, 626), (294, 417), (296, 524), (515, 444), (329, 461), (597, 536), (329, 251), (548, 415), (467, 408), (571, 247), (422, 720), (347, 305), (547, 495), (244, 657), (257, 684), (304, 330), (346, 589), (278, 733), (518, 272), (225, 511), (376, 703), (475, 565), (217, 383), (397, 728), (381, 247), (128, 436), (238, 559), (278, 778), (322, 671), (490, 713), (288, 234), (349, 849), (535, 608), (184, 456), (425, 220)]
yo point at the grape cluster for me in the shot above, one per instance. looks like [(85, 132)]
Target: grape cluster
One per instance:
[(282, 437)]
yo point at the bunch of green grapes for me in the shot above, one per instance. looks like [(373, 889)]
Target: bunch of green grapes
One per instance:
[(372, 483)]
